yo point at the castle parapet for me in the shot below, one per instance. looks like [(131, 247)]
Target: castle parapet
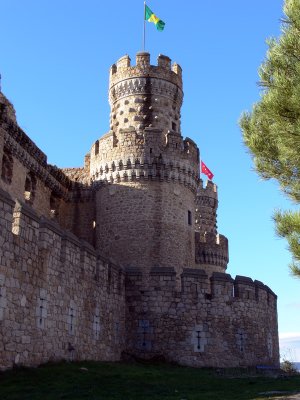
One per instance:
[(163, 278), (221, 285), (191, 149), (244, 287), (261, 293), (143, 59), (211, 249), (145, 95), (194, 281), (206, 208), (142, 63)]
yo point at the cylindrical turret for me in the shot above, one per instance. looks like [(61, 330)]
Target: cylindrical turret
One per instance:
[(144, 95), (211, 248), (206, 208), (146, 206)]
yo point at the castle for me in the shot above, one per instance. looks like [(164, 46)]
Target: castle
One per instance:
[(121, 258)]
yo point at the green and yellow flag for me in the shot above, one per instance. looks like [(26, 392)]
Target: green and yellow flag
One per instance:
[(151, 17)]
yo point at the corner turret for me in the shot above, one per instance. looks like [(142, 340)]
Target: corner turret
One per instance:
[(7, 111), (206, 208), (211, 248)]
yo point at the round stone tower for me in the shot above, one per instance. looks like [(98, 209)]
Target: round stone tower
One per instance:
[(146, 202), (145, 96), (206, 208), (211, 247)]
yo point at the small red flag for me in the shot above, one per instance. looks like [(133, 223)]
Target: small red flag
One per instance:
[(206, 171)]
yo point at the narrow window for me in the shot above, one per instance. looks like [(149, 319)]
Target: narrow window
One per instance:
[(71, 320), (54, 204), (174, 127), (7, 166), (41, 309), (189, 217), (30, 188), (96, 147), (150, 150)]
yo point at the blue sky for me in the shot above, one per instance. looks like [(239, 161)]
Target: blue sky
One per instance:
[(54, 60)]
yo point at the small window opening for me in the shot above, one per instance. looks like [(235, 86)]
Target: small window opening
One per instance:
[(189, 217), (30, 188), (54, 205), (174, 126), (150, 150), (7, 166), (96, 147)]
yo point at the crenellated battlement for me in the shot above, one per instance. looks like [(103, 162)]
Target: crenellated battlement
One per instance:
[(164, 69), (211, 250), (219, 287), (18, 146), (40, 234), (150, 154), (209, 190), (145, 95), (123, 254), (206, 208), (56, 292)]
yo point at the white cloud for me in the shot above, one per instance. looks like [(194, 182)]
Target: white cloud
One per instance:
[(289, 335)]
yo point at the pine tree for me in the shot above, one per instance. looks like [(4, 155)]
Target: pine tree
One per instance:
[(272, 130)]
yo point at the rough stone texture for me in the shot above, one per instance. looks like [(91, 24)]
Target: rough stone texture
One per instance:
[(56, 293), (205, 322), (123, 254), (146, 224)]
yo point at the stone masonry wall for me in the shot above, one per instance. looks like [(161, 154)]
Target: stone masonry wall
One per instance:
[(138, 202), (146, 224), (24, 172), (145, 95), (219, 322), (58, 299)]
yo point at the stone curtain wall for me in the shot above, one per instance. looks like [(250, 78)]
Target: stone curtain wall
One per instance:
[(138, 200), (58, 300), (24, 172), (219, 322)]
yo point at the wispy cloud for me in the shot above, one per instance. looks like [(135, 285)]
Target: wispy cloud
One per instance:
[(293, 305), (289, 343), (289, 335)]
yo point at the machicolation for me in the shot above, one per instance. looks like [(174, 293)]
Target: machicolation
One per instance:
[(123, 255)]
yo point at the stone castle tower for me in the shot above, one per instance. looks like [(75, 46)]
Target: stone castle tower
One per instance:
[(123, 256), (153, 172)]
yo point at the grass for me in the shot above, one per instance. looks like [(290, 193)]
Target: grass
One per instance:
[(116, 381)]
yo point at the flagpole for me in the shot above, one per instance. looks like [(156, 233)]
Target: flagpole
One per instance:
[(144, 28)]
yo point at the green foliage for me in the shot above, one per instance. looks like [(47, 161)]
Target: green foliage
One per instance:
[(120, 381), (272, 130)]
